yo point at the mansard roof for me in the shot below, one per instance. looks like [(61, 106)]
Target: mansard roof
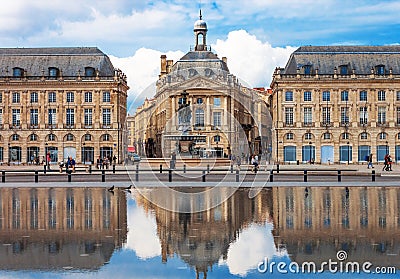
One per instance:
[(360, 58), (69, 60)]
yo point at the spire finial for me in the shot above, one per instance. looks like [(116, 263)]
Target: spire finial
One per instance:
[(201, 17)]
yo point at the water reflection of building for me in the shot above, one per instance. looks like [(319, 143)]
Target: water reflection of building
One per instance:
[(314, 223), (201, 238), (55, 228)]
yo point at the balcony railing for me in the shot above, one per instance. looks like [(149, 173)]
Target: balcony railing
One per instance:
[(106, 126), (288, 124), (308, 124), (345, 124), (326, 124), (69, 126), (381, 124), (34, 126), (51, 126)]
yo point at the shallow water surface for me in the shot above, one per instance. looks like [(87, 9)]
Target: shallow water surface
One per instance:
[(280, 232)]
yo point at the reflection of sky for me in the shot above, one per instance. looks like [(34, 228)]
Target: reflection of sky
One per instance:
[(141, 257)]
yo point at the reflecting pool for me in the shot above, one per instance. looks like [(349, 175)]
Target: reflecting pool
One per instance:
[(280, 232)]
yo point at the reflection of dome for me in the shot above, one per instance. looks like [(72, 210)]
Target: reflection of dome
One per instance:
[(200, 25)]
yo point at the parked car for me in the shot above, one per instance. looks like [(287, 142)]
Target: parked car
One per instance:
[(135, 157)]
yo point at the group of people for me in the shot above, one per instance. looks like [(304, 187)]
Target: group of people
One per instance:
[(387, 162), (104, 163), (69, 165)]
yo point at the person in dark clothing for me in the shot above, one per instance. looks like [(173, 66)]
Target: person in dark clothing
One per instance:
[(370, 161)]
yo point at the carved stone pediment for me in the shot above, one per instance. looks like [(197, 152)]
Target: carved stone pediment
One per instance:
[(201, 82)]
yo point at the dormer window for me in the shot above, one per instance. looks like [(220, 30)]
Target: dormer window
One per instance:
[(344, 70), (307, 69), (89, 72), (380, 70), (18, 72), (53, 72)]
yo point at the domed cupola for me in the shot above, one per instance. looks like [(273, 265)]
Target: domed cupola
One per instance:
[(200, 32)]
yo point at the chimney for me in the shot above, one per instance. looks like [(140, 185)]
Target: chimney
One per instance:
[(225, 60), (169, 65), (163, 65)]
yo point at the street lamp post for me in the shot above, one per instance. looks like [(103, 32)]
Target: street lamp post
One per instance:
[(310, 152), (84, 154), (387, 148), (348, 152), (9, 153)]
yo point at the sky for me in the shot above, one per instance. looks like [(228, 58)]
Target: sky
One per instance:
[(255, 35)]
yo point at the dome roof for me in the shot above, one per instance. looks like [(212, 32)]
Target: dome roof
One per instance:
[(200, 25)]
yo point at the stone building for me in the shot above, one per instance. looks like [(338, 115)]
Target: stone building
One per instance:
[(200, 109), (62, 101), (337, 104)]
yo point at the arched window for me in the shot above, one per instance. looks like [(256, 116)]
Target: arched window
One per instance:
[(51, 137), (382, 136), (106, 137), (199, 118), (15, 137), (88, 137), (69, 137), (289, 136), (345, 136), (33, 137), (307, 136), (363, 136)]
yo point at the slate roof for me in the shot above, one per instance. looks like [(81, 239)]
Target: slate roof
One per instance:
[(200, 59), (67, 59), (360, 58)]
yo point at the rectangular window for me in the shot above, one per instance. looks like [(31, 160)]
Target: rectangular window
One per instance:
[(289, 96), (289, 116), (52, 117), (363, 96), (307, 115), (70, 121), (106, 97), (1, 117), (326, 96), (88, 97), (16, 98), (397, 96), (326, 115), (307, 96), (344, 70), (52, 97), (363, 115), (106, 116), (381, 95), (34, 117), (88, 117), (381, 115), (344, 115), (34, 97), (217, 118), (398, 115), (1, 97), (16, 117), (217, 102), (70, 97), (345, 96)]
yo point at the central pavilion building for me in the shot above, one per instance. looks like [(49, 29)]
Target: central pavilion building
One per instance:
[(200, 109)]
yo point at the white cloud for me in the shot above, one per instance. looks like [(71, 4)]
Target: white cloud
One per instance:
[(253, 245), (250, 59), (142, 236)]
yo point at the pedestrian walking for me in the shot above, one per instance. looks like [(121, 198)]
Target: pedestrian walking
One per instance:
[(370, 161), (386, 163), (390, 161)]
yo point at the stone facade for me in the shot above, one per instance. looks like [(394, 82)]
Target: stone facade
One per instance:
[(62, 101), (200, 109), (337, 104)]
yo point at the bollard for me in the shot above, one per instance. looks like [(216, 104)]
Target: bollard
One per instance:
[(237, 175), (203, 176), (44, 169), (339, 176), (90, 168), (36, 176), (184, 168), (305, 176), (69, 176), (3, 176), (277, 168), (113, 168), (160, 168), (169, 175), (271, 176), (208, 168), (103, 176), (231, 168), (373, 176), (137, 173)]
